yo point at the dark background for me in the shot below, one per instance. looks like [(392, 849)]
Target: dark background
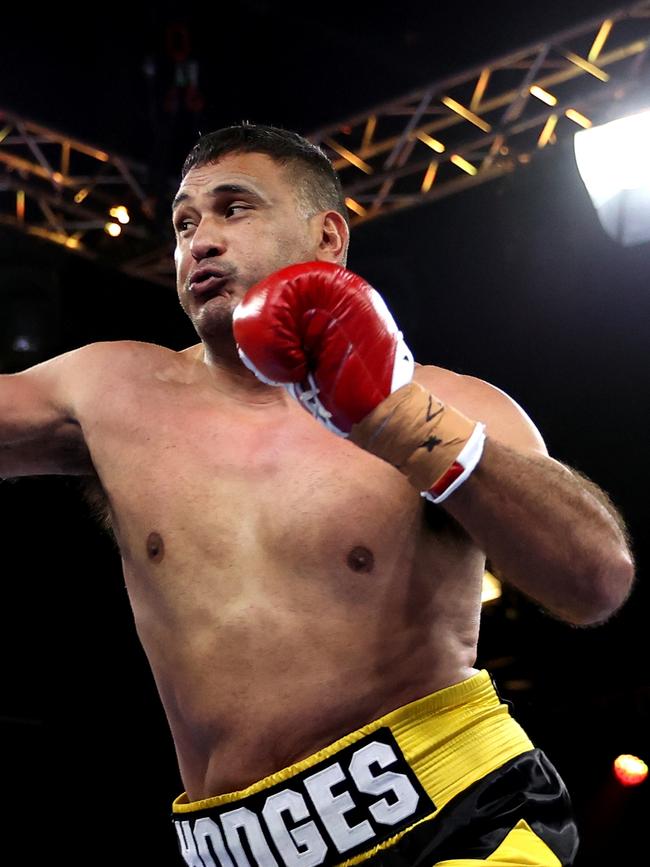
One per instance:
[(513, 281)]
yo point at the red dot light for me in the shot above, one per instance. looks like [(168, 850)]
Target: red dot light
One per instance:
[(630, 771)]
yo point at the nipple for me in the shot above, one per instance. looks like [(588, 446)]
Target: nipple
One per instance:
[(155, 547), (360, 559)]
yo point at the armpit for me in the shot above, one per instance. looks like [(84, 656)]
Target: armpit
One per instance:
[(95, 498)]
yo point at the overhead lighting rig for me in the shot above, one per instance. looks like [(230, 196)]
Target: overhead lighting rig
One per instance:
[(441, 139), (489, 120), (82, 197)]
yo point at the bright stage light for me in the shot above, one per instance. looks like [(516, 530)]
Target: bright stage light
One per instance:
[(120, 213), (614, 163), (629, 770), (491, 588)]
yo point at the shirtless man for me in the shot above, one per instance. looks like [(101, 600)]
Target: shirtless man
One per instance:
[(310, 619)]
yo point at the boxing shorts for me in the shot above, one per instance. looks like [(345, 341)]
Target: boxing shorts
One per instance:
[(449, 779)]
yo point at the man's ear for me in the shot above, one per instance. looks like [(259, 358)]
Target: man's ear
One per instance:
[(333, 236)]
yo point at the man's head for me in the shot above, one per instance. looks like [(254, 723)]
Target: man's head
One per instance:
[(316, 184), (252, 200)]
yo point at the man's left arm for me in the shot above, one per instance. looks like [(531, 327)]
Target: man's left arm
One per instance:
[(548, 530), (328, 337)]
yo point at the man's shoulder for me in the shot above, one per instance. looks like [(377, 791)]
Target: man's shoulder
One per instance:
[(448, 383), (113, 349), (82, 375), (505, 419), (113, 356)]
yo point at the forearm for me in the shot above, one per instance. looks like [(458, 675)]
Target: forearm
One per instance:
[(546, 532)]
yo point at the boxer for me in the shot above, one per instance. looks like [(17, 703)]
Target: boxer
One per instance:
[(306, 584)]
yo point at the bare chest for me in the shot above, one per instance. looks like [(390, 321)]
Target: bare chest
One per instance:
[(195, 482)]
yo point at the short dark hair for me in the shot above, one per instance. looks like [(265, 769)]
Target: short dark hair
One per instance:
[(318, 187)]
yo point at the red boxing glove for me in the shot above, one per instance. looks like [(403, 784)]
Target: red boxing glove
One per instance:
[(327, 336)]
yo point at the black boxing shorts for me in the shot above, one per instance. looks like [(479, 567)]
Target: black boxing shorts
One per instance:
[(449, 779)]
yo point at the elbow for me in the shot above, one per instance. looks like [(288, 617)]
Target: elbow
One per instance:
[(606, 588)]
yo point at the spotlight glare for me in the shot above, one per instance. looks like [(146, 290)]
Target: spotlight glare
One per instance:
[(614, 157), (613, 162), (113, 229)]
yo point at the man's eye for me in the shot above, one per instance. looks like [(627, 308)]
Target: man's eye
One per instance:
[(235, 207), (181, 225)]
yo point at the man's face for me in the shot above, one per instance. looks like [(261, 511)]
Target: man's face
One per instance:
[(236, 221)]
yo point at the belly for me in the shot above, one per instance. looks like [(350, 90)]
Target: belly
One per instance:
[(255, 685)]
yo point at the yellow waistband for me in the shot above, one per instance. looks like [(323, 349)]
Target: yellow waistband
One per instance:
[(450, 739)]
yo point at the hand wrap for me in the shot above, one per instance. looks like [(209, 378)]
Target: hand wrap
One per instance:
[(433, 444)]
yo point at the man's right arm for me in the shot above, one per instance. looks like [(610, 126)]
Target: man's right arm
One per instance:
[(40, 433)]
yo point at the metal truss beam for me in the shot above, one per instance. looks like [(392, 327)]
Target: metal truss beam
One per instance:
[(59, 188), (488, 121), (439, 140)]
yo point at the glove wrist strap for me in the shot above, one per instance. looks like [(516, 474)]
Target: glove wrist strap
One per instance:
[(433, 444), (461, 468)]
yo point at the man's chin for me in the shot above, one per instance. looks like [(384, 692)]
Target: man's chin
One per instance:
[(214, 319)]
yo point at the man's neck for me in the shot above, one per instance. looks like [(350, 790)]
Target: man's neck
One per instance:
[(233, 377)]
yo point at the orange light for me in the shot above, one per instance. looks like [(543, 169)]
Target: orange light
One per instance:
[(20, 206), (349, 156), (462, 163), (578, 118), (113, 229), (599, 41), (491, 588), (548, 132), (120, 213), (466, 113), (629, 770), (355, 206), (433, 143), (544, 95), (430, 177)]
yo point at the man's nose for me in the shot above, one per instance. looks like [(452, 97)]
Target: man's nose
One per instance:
[(207, 241)]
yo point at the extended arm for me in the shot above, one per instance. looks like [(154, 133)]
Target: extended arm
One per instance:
[(39, 433), (327, 336)]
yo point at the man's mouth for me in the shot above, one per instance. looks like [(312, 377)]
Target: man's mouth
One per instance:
[(205, 287)]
